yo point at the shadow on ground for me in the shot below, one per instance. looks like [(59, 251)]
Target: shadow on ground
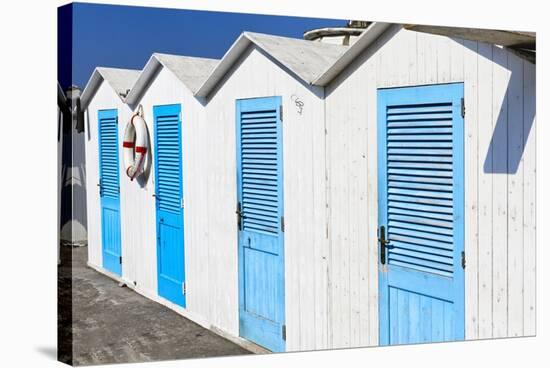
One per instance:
[(112, 324)]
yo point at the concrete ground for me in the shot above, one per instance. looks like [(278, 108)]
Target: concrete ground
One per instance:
[(113, 324)]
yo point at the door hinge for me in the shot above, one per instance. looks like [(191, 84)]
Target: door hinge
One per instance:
[(463, 259), (283, 332), (462, 107), (183, 288), (282, 224), (120, 259), (182, 204), (281, 112)]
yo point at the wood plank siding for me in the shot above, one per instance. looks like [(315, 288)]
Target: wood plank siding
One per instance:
[(499, 180)]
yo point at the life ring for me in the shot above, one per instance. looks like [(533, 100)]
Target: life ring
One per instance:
[(135, 145)]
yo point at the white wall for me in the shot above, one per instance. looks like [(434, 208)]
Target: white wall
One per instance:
[(330, 189), (304, 198), (138, 204), (499, 199)]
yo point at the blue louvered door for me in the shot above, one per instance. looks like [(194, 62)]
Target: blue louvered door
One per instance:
[(260, 225), (169, 203), (109, 190), (421, 213)]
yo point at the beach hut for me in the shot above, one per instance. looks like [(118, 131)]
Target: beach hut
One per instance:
[(105, 114), (162, 223), (430, 152), (73, 222), (264, 177), (63, 111)]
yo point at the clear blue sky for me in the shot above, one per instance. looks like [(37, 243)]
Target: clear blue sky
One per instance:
[(126, 36)]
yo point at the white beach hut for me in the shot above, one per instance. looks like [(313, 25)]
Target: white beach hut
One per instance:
[(163, 224), (431, 140), (104, 116), (264, 157)]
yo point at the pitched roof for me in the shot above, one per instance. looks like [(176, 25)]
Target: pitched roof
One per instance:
[(191, 71), (510, 39), (120, 81), (366, 39), (307, 60)]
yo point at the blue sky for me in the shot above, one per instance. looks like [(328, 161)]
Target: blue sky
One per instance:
[(126, 36)]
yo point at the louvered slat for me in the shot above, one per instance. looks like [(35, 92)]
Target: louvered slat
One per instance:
[(420, 187), (168, 150), (108, 156), (259, 171)]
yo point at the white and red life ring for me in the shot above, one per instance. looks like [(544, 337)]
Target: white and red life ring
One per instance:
[(135, 145)]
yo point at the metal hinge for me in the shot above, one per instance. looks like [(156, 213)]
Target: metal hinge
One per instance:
[(183, 288), (120, 259), (281, 113), (182, 203), (283, 332), (462, 107), (463, 259), (282, 224)]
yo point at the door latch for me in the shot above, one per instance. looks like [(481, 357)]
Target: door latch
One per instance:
[(383, 243), (240, 216)]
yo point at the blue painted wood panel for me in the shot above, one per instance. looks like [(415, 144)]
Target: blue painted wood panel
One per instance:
[(421, 207), (109, 190), (169, 203), (261, 240)]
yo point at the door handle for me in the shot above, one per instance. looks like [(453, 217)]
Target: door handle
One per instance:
[(383, 243), (240, 216)]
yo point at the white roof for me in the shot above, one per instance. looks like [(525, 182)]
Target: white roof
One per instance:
[(191, 71), (120, 81), (315, 63), (307, 60), (366, 39)]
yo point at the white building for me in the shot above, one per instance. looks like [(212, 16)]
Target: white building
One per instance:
[(103, 106)]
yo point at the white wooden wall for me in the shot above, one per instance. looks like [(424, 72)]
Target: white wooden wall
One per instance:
[(306, 246), (499, 181), (330, 189), (139, 203)]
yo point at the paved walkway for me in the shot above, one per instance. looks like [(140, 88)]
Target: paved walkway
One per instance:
[(113, 324)]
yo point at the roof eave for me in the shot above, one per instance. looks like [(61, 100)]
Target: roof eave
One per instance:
[(142, 82), (368, 37), (225, 64), (91, 88)]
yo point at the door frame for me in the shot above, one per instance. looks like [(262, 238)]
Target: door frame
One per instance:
[(455, 93), (155, 109), (267, 103), (117, 266)]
